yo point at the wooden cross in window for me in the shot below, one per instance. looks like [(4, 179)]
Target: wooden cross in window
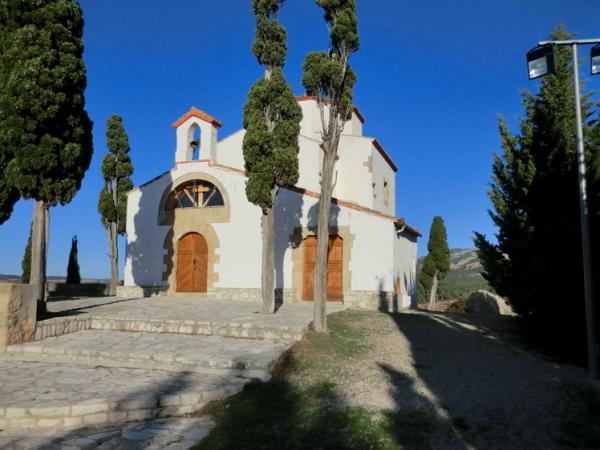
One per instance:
[(200, 190)]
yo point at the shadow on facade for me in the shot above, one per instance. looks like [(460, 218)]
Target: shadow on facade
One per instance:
[(146, 250), (288, 219)]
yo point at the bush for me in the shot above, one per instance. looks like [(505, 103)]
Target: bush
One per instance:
[(457, 306)]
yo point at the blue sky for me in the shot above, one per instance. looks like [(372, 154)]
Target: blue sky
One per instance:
[(432, 78)]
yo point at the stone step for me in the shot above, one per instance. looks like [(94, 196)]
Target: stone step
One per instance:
[(44, 395), (242, 329), (193, 353), (246, 330)]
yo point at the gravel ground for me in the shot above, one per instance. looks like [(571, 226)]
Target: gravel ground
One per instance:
[(478, 386)]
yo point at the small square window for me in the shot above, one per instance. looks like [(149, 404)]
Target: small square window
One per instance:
[(386, 193)]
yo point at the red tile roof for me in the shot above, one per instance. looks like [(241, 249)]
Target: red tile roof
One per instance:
[(194, 112), (383, 153), (310, 97)]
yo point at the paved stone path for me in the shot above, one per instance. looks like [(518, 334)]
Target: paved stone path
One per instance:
[(288, 316), (169, 434), (181, 315), (49, 395), (209, 354), (137, 368)]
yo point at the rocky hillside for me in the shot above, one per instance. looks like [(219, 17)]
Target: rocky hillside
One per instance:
[(464, 276)]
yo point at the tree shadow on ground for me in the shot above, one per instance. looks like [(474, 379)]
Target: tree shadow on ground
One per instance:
[(84, 309), (278, 415), (484, 391), (148, 402)]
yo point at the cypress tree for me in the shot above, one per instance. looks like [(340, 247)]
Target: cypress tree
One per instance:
[(437, 262), (43, 119), (330, 79), (26, 262), (112, 204), (9, 194), (272, 121), (537, 260), (73, 276)]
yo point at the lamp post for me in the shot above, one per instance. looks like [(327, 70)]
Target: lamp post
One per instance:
[(540, 62)]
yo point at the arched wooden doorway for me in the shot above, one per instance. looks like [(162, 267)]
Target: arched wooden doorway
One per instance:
[(335, 258), (192, 263)]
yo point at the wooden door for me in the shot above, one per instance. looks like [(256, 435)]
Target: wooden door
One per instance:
[(335, 258), (335, 289), (192, 263)]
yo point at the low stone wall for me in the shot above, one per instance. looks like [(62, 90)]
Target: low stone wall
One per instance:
[(140, 291), (383, 301), (78, 290), (250, 294), (17, 313)]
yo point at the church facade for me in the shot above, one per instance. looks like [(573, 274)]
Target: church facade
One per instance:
[(192, 231)]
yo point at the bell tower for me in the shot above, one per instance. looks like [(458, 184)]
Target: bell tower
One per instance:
[(196, 134)]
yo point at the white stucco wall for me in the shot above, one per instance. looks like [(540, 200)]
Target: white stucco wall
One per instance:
[(382, 171), (378, 253), (405, 266)]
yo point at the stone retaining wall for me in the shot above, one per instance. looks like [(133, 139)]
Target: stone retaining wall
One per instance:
[(17, 313), (78, 290)]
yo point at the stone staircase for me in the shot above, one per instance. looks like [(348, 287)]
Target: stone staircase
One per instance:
[(117, 365), (244, 358)]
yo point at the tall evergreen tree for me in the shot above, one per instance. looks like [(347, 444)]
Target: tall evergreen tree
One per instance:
[(330, 79), (437, 262), (112, 204), (43, 118), (26, 262), (272, 121), (73, 276), (9, 194), (536, 262)]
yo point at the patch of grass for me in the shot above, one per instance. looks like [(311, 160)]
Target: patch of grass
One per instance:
[(300, 407), (278, 415), (320, 352), (582, 429)]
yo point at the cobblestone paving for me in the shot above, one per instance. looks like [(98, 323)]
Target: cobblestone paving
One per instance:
[(251, 358), (159, 434)]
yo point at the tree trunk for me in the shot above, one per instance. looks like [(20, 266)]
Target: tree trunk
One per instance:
[(268, 263), (320, 316), (39, 252), (111, 233), (433, 292)]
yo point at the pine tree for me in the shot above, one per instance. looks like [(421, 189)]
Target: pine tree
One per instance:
[(43, 119), (112, 204), (437, 262), (330, 79), (272, 121), (536, 262), (73, 276), (26, 262)]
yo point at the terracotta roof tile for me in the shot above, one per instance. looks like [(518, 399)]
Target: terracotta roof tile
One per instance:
[(194, 112)]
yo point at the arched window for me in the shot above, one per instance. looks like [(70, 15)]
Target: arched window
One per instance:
[(194, 194), (195, 141)]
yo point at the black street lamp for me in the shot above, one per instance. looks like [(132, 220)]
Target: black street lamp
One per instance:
[(595, 59), (540, 62)]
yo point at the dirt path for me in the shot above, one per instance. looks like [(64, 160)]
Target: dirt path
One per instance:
[(476, 386)]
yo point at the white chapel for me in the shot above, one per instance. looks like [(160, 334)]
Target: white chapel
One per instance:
[(192, 231)]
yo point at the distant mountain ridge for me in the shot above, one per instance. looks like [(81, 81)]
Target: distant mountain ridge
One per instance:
[(464, 277)]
